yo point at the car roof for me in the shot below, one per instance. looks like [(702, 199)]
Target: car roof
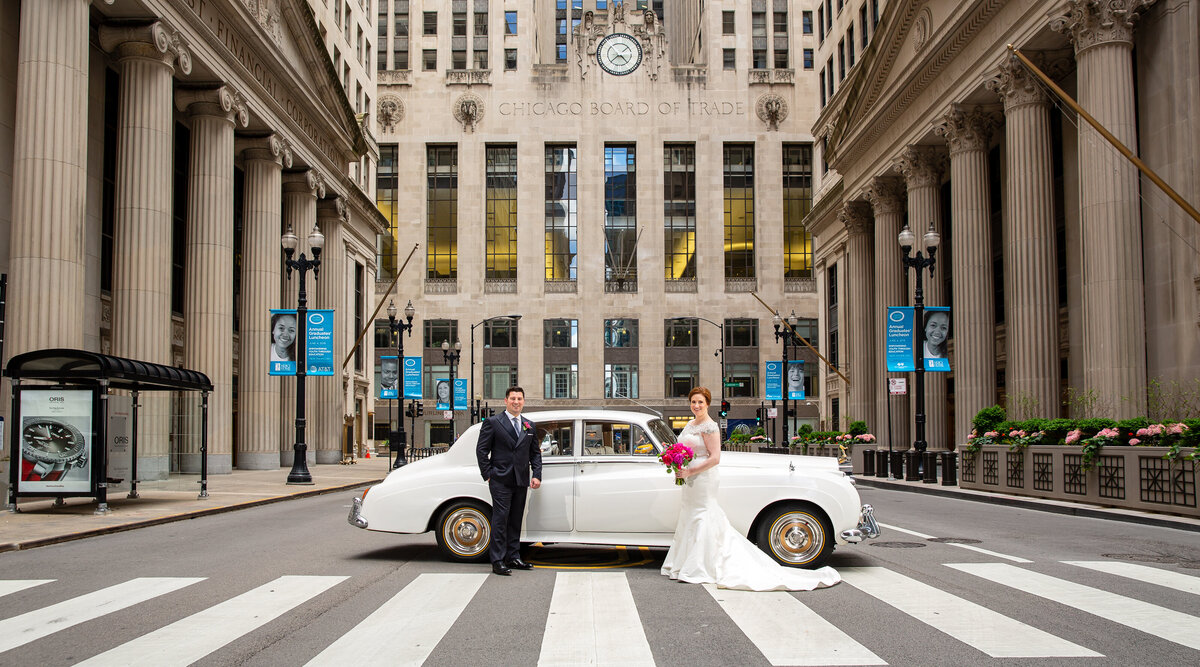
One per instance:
[(577, 413)]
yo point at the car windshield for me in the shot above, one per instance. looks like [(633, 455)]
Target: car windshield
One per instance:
[(662, 432)]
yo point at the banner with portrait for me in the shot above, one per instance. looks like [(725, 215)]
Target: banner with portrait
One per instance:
[(794, 385), (441, 393), (389, 377), (55, 433), (412, 378), (898, 339), (937, 337), (773, 375), (283, 334)]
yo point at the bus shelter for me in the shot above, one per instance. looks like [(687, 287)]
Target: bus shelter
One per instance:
[(65, 432)]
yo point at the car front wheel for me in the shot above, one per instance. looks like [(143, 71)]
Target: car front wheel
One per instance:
[(464, 531), (796, 535)]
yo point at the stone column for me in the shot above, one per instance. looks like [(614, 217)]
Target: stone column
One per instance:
[(330, 409), (922, 167), (208, 296), (860, 345), (1114, 319), (259, 397), (49, 184), (300, 194), (968, 131), (146, 56), (887, 202), (1030, 267)]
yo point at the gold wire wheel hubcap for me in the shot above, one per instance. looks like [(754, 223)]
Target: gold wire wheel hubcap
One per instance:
[(467, 531), (796, 537)]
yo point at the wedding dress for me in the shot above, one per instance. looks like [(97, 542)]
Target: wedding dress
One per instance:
[(707, 549)]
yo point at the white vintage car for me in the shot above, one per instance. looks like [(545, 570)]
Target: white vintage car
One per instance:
[(602, 483)]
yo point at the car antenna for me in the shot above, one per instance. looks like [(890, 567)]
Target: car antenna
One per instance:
[(656, 413)]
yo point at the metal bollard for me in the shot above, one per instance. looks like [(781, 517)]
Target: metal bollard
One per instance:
[(949, 468), (897, 463), (868, 462), (881, 463), (913, 462), (931, 461)]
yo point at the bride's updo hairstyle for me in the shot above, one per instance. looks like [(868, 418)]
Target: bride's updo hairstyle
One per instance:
[(703, 392)]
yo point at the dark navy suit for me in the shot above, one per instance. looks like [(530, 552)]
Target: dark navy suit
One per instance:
[(505, 461)]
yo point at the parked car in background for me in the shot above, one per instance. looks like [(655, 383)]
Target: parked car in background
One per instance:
[(602, 483)]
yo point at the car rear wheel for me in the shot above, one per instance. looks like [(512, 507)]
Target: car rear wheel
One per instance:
[(796, 535), (464, 531)]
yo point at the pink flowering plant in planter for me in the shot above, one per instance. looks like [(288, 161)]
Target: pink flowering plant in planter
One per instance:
[(1093, 445), (1020, 439), (864, 437), (975, 441)]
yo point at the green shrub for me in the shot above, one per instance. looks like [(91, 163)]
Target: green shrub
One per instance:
[(805, 429), (1094, 425), (988, 419), (1057, 430), (857, 427)]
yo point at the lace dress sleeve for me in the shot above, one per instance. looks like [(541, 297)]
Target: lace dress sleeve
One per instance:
[(710, 427)]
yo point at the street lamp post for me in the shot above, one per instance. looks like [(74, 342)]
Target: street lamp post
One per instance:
[(397, 437), (451, 357), (789, 338), (471, 379), (919, 262), (719, 352), (316, 241)]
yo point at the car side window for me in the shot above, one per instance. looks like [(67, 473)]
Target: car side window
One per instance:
[(615, 439), (554, 438)]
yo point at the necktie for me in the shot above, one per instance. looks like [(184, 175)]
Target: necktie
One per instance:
[(516, 427)]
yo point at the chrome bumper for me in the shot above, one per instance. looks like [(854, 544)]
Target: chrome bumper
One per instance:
[(355, 518), (867, 528)]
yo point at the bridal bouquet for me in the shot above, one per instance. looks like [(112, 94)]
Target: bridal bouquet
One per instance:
[(677, 457)]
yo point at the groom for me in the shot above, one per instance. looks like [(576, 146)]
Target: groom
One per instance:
[(506, 452)]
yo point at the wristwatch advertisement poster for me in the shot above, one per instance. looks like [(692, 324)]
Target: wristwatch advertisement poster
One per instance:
[(56, 441)]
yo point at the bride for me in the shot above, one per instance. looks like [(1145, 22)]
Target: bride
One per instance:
[(706, 548)]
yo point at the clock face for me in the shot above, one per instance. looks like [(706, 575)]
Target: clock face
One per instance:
[(619, 53), (52, 441)]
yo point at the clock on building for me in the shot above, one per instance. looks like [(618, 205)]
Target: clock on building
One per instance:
[(620, 53)]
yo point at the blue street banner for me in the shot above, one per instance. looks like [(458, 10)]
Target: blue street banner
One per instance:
[(441, 393), (937, 335), (283, 333), (899, 339), (412, 377), (389, 377), (774, 377), (460, 394), (318, 348), (795, 380)]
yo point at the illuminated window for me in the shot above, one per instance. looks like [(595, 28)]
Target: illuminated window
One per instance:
[(797, 201), (560, 212), (679, 210), (441, 239), (620, 218), (501, 213), (739, 210)]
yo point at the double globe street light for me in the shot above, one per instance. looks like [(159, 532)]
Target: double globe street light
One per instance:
[(471, 380), (299, 473), (789, 338), (920, 262), (451, 356), (396, 436)]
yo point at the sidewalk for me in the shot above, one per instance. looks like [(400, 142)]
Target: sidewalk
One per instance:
[(1043, 505), (39, 523)]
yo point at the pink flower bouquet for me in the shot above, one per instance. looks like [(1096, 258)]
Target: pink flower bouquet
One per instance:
[(677, 457)]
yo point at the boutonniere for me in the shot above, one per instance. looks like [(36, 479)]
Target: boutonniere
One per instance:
[(528, 426)]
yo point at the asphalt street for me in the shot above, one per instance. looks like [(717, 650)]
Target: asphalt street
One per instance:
[(950, 582)]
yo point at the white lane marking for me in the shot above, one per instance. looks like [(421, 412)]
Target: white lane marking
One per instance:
[(189, 639), (20, 630), (593, 621), (968, 547), (1152, 619), (788, 632), (1151, 575), (10, 586), (991, 632), (406, 628)]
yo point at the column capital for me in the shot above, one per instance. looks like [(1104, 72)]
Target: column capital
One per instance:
[(306, 182), (152, 40), (272, 148), (334, 208), (217, 100), (1090, 23), (1016, 86), (886, 195), (856, 217), (921, 166), (967, 128)]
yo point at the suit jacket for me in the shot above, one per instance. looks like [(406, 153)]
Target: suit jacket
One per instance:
[(505, 457)]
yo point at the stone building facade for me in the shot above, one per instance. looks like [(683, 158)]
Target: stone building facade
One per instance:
[(1071, 278), (152, 153)]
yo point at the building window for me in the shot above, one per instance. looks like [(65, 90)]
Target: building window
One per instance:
[(781, 23), (458, 24), (562, 381), (739, 210), (808, 61), (797, 201), (758, 58), (458, 59), (500, 193), (874, 14), (820, 25), (510, 59), (441, 239), (831, 314), (806, 328), (430, 23), (497, 378), (727, 23), (437, 331), (841, 54), (729, 58), (510, 23), (481, 26), (741, 332), (806, 22), (430, 376), (560, 333), (835, 408), (744, 378), (385, 342), (862, 24), (560, 210), (829, 75), (429, 60), (499, 334), (681, 378), (620, 381), (386, 184), (481, 59), (781, 59), (620, 333), (682, 333), (360, 286), (183, 151), (679, 210), (620, 218), (824, 98), (850, 45), (758, 24)]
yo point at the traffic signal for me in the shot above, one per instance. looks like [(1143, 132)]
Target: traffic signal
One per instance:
[(724, 409), (420, 408), (758, 416)]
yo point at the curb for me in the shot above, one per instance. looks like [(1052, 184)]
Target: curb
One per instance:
[(171, 518), (1090, 512)]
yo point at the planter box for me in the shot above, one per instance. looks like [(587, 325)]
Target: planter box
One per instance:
[(1131, 477)]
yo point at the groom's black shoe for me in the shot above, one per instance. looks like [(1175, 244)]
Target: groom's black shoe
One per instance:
[(518, 564), (498, 568)]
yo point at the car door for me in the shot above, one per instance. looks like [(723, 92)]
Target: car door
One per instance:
[(551, 507), (620, 486)]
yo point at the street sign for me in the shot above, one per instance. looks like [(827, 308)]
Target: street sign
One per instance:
[(734, 384), (772, 413), (448, 415), (897, 386)]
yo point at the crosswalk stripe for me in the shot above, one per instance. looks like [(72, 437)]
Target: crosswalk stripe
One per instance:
[(789, 633), (187, 640), (1150, 575), (1152, 619), (424, 610), (993, 633), (10, 586), (20, 630), (593, 621)]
